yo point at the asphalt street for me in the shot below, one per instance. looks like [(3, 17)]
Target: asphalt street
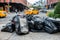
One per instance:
[(8, 18), (30, 36)]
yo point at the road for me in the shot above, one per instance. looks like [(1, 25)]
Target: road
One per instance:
[(30, 36), (11, 15), (7, 19)]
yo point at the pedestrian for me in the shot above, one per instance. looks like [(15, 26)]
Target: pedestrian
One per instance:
[(19, 11), (16, 11)]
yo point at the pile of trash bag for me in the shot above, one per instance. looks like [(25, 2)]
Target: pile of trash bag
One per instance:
[(23, 24), (49, 26), (17, 24), (56, 22), (38, 23)]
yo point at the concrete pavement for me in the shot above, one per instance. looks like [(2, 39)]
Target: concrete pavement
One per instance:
[(30, 36)]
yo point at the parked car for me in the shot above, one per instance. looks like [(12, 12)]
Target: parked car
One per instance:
[(3, 13), (44, 10), (31, 11)]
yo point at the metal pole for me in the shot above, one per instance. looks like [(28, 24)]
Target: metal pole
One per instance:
[(50, 4), (8, 7), (47, 4)]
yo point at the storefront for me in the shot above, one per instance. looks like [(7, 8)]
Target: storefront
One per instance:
[(13, 6)]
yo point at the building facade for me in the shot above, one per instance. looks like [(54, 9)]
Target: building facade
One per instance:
[(29, 4), (51, 3), (24, 2), (15, 4)]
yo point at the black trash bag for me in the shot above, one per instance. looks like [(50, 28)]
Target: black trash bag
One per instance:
[(21, 25), (8, 28), (35, 24), (31, 25), (38, 23), (29, 17), (50, 27), (57, 25), (56, 22), (29, 21)]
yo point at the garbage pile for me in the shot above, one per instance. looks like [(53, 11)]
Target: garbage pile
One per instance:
[(23, 24)]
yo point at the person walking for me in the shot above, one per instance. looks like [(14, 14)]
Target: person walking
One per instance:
[(16, 11)]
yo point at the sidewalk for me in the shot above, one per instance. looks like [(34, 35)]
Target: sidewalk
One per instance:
[(30, 36), (4, 35)]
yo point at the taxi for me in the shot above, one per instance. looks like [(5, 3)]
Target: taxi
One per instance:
[(31, 11), (3, 13)]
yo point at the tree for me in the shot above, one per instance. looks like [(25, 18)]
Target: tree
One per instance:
[(57, 8), (58, 0)]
